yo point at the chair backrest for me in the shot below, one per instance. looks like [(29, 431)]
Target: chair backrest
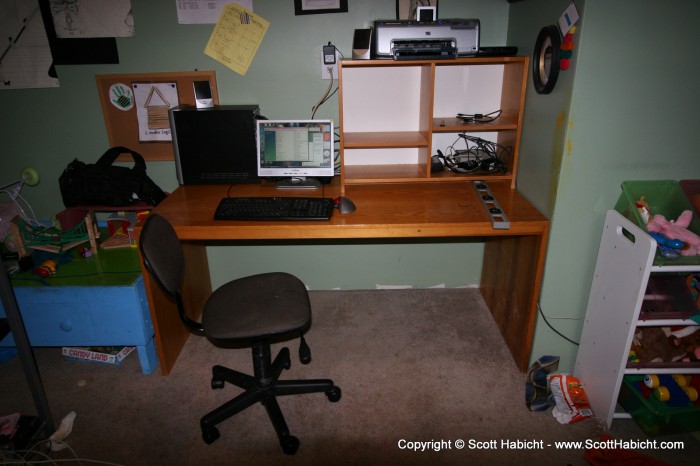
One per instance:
[(162, 256)]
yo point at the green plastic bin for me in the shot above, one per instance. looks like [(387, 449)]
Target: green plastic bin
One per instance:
[(664, 197), (654, 417)]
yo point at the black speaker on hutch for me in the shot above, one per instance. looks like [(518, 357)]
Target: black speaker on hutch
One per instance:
[(215, 145), (362, 44)]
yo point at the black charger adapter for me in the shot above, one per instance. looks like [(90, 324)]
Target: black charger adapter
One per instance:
[(329, 54)]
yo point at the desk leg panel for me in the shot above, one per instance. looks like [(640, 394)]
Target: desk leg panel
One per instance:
[(510, 283), (170, 333)]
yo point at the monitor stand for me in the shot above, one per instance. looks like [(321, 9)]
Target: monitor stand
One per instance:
[(298, 183)]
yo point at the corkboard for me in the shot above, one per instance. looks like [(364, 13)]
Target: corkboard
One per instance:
[(123, 125)]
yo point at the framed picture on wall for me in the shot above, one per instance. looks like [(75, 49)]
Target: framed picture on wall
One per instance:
[(317, 7), (408, 9)]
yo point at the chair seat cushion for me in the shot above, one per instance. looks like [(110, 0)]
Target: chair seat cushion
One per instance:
[(256, 307)]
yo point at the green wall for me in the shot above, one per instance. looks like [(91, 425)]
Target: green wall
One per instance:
[(627, 112)]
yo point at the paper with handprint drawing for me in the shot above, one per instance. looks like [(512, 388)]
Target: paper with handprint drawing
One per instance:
[(121, 96)]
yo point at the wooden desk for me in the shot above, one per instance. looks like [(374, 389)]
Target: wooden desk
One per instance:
[(512, 264)]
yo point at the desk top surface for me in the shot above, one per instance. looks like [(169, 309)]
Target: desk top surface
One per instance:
[(401, 210)]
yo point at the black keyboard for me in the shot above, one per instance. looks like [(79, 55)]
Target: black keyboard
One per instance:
[(275, 208)]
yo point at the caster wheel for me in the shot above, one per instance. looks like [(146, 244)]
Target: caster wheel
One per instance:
[(334, 394), (30, 176), (217, 383), (290, 445), (210, 435)]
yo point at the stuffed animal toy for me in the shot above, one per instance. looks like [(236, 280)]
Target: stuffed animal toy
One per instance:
[(666, 344), (694, 356), (653, 344), (687, 339), (677, 230)]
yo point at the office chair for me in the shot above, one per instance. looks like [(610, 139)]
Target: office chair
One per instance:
[(253, 311)]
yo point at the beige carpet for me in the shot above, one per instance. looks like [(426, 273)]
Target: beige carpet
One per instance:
[(414, 366)]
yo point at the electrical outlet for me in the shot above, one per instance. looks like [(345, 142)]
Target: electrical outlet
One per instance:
[(325, 73)]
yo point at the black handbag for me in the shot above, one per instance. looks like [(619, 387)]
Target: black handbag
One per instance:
[(106, 184)]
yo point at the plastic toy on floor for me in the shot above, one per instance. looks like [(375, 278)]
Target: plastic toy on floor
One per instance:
[(677, 230)]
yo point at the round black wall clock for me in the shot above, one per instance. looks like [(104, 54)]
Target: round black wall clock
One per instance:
[(545, 62)]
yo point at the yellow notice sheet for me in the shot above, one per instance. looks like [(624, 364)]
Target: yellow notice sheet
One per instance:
[(236, 37)]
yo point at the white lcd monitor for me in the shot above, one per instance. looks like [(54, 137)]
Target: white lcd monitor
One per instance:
[(295, 152)]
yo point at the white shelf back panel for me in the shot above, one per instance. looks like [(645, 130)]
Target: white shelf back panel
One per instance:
[(467, 89), (383, 98), (403, 156)]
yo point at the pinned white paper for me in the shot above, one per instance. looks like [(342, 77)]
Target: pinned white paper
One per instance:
[(568, 19)]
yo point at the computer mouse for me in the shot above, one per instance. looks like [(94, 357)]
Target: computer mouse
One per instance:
[(344, 205)]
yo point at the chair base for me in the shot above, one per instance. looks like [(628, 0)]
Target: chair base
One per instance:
[(264, 387)]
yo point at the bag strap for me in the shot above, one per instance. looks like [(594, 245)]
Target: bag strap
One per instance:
[(112, 153)]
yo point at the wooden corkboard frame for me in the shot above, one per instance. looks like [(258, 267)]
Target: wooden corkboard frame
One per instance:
[(122, 126)]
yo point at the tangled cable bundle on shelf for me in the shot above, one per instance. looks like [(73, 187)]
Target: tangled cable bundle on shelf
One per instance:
[(480, 155)]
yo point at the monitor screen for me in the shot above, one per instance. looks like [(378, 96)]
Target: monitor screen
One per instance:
[(297, 151)]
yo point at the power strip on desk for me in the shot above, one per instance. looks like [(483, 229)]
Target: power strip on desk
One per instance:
[(498, 218)]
